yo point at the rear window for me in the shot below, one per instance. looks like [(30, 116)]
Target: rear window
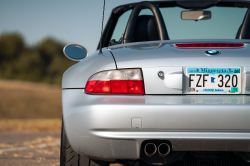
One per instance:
[(224, 23)]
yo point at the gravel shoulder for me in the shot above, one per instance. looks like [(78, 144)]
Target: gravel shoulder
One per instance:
[(29, 148)]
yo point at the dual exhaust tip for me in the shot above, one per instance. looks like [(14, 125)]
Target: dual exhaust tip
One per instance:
[(150, 149)]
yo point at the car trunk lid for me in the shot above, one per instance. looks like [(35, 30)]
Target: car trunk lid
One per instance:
[(162, 56)]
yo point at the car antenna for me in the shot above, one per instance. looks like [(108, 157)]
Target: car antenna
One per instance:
[(100, 50)]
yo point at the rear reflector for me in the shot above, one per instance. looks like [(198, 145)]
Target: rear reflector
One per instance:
[(209, 45), (116, 82)]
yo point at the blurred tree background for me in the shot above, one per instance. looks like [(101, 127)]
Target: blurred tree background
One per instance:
[(30, 78), (43, 62)]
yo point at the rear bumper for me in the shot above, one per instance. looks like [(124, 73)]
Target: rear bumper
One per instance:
[(113, 127)]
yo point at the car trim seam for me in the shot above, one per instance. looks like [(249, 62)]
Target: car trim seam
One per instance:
[(113, 57)]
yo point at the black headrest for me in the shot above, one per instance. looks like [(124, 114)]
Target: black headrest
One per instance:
[(146, 29)]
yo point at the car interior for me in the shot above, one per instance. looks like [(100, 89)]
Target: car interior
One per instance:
[(150, 28)]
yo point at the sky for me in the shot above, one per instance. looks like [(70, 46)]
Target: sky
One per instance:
[(74, 21), (79, 21)]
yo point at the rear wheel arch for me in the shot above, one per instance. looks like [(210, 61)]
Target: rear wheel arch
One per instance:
[(68, 157)]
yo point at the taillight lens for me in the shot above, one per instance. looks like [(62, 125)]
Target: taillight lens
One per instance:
[(209, 45), (116, 82)]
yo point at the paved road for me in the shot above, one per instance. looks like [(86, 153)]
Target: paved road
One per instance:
[(40, 149), (29, 149)]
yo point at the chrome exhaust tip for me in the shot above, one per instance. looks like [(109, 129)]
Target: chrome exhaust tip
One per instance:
[(150, 149), (163, 149)]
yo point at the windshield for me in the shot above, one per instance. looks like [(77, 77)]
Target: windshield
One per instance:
[(224, 23)]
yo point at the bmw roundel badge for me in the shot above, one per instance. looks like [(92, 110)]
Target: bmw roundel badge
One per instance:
[(212, 52)]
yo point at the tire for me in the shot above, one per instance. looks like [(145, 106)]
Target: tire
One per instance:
[(68, 157)]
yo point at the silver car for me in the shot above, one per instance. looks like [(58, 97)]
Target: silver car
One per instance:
[(168, 84)]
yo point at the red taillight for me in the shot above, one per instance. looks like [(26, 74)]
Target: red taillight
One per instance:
[(119, 86), (102, 86), (136, 87), (209, 45), (116, 82)]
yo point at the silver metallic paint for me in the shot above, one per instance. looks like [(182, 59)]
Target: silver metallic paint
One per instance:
[(151, 55), (174, 80), (155, 85), (77, 76), (161, 55), (247, 79), (100, 125)]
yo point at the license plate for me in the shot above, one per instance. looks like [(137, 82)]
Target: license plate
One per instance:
[(210, 80)]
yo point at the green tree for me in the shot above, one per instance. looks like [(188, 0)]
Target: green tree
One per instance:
[(11, 45), (44, 62)]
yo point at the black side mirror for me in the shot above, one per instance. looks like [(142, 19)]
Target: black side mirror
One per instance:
[(75, 52)]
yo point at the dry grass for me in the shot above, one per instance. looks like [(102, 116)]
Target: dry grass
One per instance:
[(34, 125), (25, 100)]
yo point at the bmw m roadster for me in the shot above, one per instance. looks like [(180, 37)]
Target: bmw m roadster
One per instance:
[(169, 84)]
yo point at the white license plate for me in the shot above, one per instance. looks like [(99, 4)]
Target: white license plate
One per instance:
[(210, 80)]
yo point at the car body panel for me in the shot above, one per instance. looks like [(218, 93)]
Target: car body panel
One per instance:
[(157, 85), (78, 75), (112, 127), (101, 125), (161, 53), (156, 56), (247, 80)]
